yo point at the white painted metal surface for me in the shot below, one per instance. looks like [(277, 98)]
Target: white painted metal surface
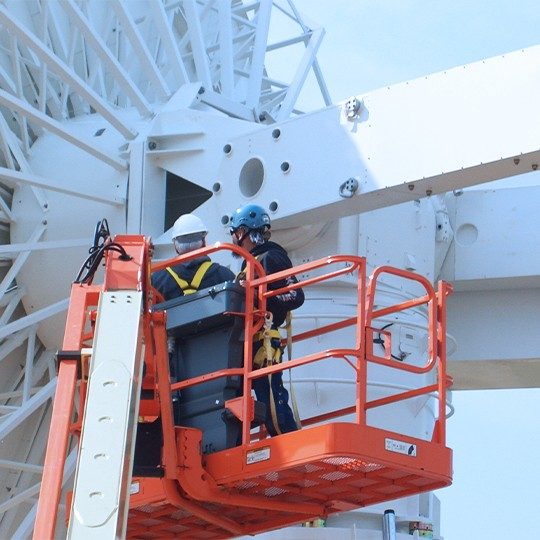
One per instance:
[(100, 494), (80, 82)]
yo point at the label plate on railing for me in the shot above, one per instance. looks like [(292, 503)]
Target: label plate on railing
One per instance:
[(258, 455), (401, 447)]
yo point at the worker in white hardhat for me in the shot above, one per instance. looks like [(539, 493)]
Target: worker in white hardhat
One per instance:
[(188, 234)]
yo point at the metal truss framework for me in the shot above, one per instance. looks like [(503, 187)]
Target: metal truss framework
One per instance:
[(64, 60)]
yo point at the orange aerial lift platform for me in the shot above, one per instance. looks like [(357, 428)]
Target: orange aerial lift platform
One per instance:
[(114, 385)]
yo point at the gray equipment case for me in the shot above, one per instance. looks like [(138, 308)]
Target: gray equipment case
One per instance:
[(208, 337)]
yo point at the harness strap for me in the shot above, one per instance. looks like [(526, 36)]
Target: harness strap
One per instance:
[(272, 356), (288, 326), (190, 288), (199, 274), (272, 333), (273, 407)]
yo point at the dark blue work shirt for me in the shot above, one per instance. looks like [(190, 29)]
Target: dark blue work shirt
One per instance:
[(169, 288)]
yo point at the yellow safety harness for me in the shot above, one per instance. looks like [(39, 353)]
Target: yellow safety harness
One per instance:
[(270, 354), (190, 288)]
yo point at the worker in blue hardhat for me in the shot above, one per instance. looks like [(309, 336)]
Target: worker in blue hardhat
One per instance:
[(188, 234), (250, 229)]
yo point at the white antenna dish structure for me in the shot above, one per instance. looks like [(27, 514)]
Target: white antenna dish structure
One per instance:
[(139, 111), (80, 85)]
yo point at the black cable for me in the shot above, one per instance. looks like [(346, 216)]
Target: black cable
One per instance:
[(102, 243), (380, 341)]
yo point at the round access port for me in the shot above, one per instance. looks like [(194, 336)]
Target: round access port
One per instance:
[(251, 177)]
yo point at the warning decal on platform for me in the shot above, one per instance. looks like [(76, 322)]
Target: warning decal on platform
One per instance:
[(400, 447), (258, 455)]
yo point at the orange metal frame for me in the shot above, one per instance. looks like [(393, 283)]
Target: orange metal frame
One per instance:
[(264, 483), (133, 274)]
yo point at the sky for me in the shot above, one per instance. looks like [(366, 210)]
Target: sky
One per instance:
[(495, 434)]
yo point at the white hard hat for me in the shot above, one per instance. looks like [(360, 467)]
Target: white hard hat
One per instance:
[(188, 224)]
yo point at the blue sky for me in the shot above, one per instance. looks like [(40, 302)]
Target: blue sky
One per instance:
[(372, 43)]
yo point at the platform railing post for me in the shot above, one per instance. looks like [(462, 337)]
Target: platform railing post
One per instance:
[(248, 348), (444, 290), (361, 336), (389, 525)]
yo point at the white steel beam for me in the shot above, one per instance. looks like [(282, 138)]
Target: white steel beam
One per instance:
[(20, 497), (34, 318), (20, 260), (31, 449), (226, 50), (259, 50), (11, 306), (66, 74), (29, 364), (4, 144), (13, 249), (302, 38), (14, 145), (5, 78), (200, 56), (16, 394), (271, 82), (169, 43), (287, 105), (117, 71), (25, 528), (56, 127), (498, 343), (137, 158), (222, 103), (411, 140), (316, 68), (43, 69), (238, 38), (15, 62), (57, 36), (245, 7), (143, 54), (15, 292), (36, 401), (17, 466), (42, 363), (6, 209), (33, 88), (12, 342), (12, 178)]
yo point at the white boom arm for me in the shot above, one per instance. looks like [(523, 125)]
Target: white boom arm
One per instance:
[(100, 494), (453, 129)]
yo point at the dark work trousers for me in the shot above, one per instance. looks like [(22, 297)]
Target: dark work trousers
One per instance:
[(284, 414)]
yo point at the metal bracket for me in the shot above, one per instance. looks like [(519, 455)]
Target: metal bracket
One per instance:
[(352, 108), (349, 188), (235, 406), (82, 358)]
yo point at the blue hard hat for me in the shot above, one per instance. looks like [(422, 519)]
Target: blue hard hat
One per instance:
[(250, 216)]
